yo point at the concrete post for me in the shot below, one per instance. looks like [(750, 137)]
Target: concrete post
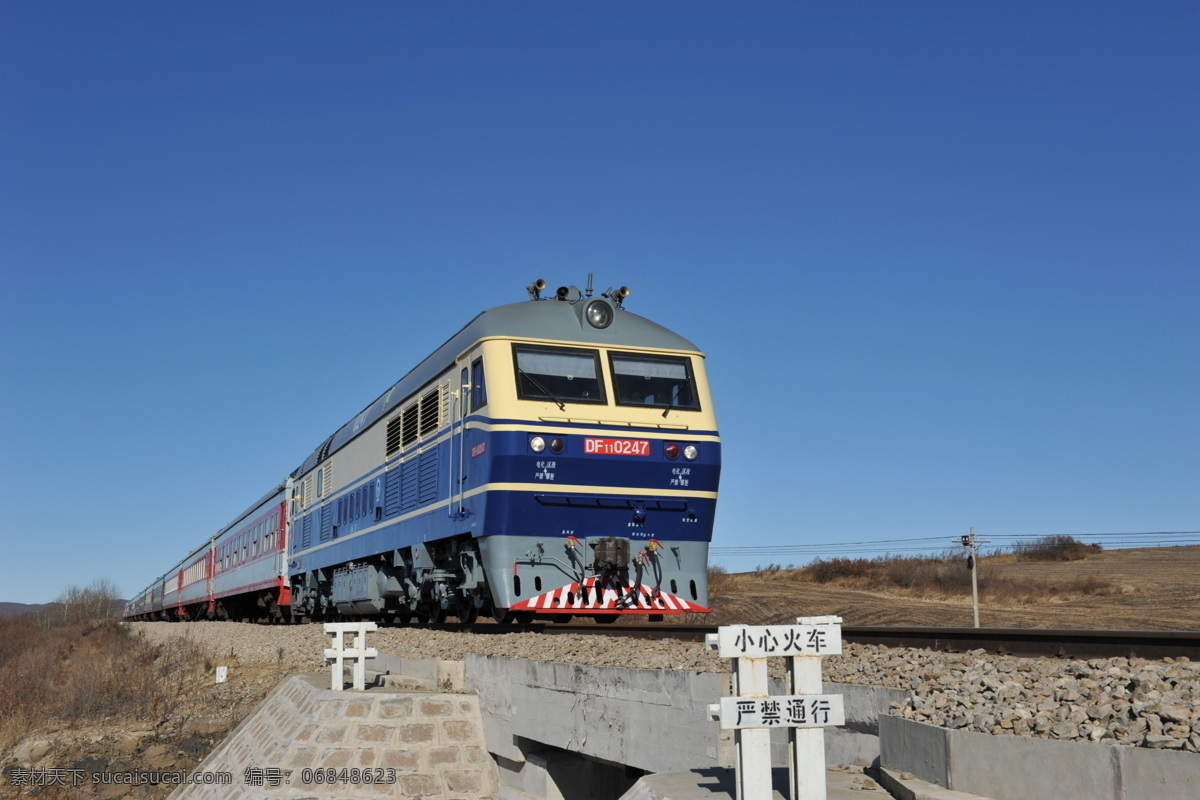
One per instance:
[(752, 746), (358, 652), (806, 746)]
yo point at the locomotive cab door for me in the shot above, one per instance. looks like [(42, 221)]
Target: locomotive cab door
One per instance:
[(470, 445)]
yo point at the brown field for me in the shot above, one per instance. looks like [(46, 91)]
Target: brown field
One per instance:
[(1138, 589)]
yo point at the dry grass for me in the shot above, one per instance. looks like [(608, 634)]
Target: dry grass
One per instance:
[(1150, 588), (948, 575), (72, 672)]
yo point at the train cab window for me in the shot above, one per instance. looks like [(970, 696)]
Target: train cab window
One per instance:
[(558, 374), (478, 387), (657, 381)]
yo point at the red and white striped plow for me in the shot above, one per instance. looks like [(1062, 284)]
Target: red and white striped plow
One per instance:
[(611, 596)]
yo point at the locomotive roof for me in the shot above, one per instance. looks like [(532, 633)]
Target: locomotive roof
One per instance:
[(540, 319)]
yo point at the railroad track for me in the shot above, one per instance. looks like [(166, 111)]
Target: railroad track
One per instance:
[(1041, 642), (1032, 642)]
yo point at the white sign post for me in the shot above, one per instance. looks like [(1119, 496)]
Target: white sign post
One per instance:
[(804, 711), (357, 651)]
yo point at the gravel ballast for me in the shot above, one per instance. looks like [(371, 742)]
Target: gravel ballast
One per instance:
[(1115, 701)]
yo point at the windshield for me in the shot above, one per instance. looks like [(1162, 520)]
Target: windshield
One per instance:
[(558, 374), (660, 381)]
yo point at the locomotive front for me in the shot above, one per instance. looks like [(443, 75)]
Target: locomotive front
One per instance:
[(593, 453)]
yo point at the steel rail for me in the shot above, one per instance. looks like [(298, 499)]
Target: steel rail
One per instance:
[(1044, 642)]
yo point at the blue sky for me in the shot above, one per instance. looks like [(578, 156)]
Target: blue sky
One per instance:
[(942, 256)]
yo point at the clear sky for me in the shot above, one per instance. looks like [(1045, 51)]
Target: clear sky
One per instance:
[(944, 258)]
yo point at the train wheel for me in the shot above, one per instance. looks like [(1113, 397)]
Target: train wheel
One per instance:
[(467, 612), (563, 619), (437, 614), (502, 616), (524, 617), (605, 619)]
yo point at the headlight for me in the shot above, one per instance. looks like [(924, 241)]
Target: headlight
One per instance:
[(690, 452), (599, 314), (537, 444)]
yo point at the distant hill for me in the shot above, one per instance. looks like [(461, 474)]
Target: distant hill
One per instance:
[(21, 609)]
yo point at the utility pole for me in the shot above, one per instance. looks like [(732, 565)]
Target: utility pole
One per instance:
[(972, 563)]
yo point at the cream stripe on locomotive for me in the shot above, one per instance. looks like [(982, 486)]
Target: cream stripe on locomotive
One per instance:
[(498, 360), (620, 429)]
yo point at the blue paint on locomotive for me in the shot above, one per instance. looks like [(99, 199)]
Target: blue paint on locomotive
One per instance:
[(544, 511)]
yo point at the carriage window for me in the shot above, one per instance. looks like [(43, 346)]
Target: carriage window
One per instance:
[(558, 374), (659, 381)]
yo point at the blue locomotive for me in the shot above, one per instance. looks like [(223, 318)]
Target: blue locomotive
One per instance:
[(555, 457)]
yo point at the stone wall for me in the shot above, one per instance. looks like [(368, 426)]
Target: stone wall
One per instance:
[(428, 744)]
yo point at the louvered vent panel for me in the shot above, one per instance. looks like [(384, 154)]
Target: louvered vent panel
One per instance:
[(306, 533), (327, 489), (308, 491), (431, 405), (429, 476), (326, 522), (412, 418), (394, 428), (408, 492), (391, 492)]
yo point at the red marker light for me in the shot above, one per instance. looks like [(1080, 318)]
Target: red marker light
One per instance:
[(672, 451)]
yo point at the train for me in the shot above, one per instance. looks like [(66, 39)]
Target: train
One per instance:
[(557, 457)]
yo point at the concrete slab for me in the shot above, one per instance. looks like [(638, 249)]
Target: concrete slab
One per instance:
[(915, 747), (1160, 774), (841, 783), (906, 786), (1021, 767)]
